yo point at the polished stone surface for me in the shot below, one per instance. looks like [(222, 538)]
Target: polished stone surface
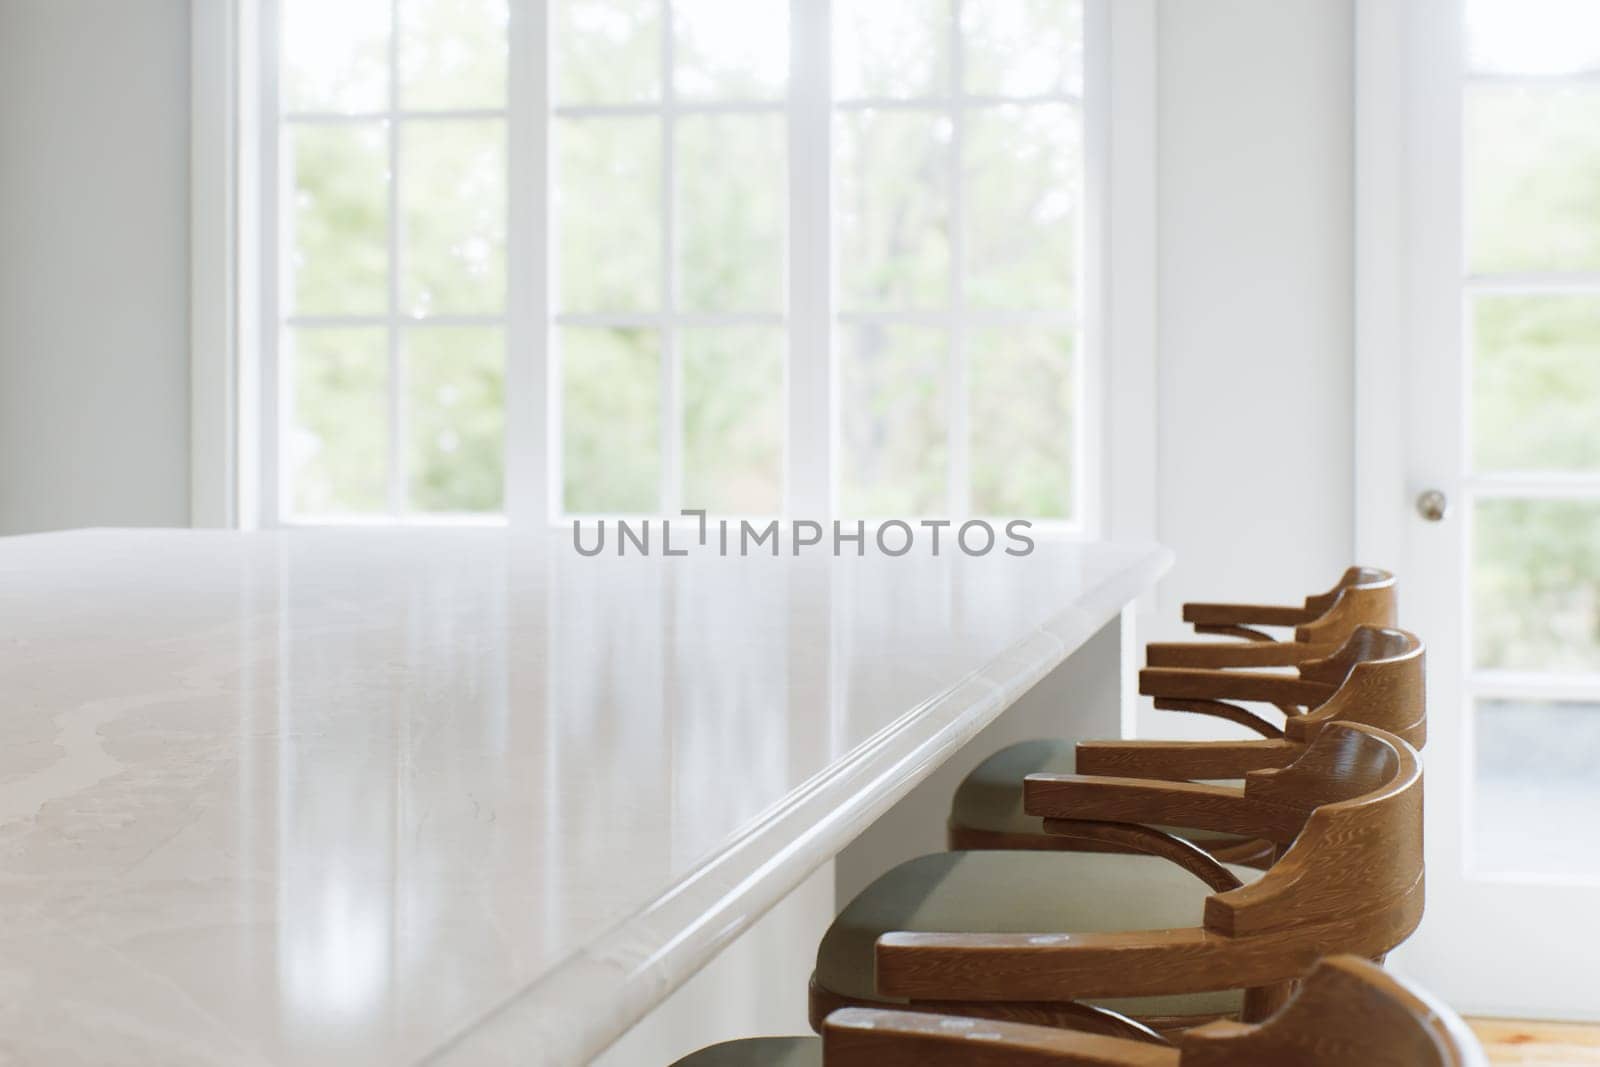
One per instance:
[(319, 797)]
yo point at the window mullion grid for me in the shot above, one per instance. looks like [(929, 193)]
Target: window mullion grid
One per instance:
[(1582, 79), (530, 441), (275, 406), (396, 471), (810, 440), (650, 320), (1532, 485), (1567, 688), (323, 321), (671, 490), (1480, 486), (363, 118), (959, 490), (646, 109)]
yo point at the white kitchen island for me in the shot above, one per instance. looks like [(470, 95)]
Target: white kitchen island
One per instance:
[(464, 796)]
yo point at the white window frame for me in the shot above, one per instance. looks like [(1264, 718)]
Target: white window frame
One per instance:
[(234, 327), (1413, 287)]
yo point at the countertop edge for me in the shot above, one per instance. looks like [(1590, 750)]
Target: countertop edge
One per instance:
[(578, 1008)]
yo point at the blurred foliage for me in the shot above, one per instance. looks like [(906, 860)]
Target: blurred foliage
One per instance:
[(1536, 408), (1536, 584), (893, 420), (338, 443), (453, 54), (892, 172), (1532, 159), (608, 214), (606, 51), (731, 212), (1022, 47), (1022, 422), (1533, 204), (891, 48), (1022, 174), (455, 417), (453, 207), (733, 419), (611, 420), (1536, 383), (1020, 168), (338, 248)]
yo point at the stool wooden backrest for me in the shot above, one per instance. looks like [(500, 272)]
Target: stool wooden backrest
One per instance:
[(1347, 815), (1376, 676), (1347, 1013), (1362, 596)]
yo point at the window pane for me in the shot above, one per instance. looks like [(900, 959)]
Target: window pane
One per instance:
[(453, 201), (1535, 761), (1022, 422), (731, 51), (731, 212), (891, 48), (893, 420), (335, 57), (1533, 203), (608, 206), (455, 417), (611, 420), (452, 54), (1022, 172), (1536, 584), (1536, 382), (338, 428), (733, 419), (607, 51), (893, 210), (1023, 47), (339, 222), (1533, 36)]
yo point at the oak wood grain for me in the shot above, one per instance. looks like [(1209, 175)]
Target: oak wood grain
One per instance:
[(1347, 1013), (1349, 810)]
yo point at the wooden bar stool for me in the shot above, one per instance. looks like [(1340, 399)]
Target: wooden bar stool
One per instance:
[(1375, 677), (1366, 596), (1171, 936), (1323, 638), (1347, 1013)]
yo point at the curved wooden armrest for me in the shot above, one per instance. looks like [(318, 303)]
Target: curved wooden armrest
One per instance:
[(1233, 713), (1210, 614), (873, 1037), (1183, 760), (1221, 654), (1244, 633), (1051, 966), (1134, 800), (1188, 683), (1150, 842)]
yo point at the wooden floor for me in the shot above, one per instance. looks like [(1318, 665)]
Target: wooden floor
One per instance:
[(1509, 1041)]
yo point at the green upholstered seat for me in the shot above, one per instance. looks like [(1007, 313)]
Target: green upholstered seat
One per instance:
[(758, 1052), (1021, 892), (990, 798)]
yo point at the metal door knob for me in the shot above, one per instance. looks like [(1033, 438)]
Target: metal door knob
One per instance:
[(1433, 505)]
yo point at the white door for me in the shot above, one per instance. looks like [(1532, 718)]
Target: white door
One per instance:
[(1479, 318)]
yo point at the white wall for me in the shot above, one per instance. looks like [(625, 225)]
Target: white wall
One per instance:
[(94, 156), (1255, 334)]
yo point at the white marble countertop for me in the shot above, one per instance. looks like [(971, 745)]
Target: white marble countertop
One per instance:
[(365, 797)]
